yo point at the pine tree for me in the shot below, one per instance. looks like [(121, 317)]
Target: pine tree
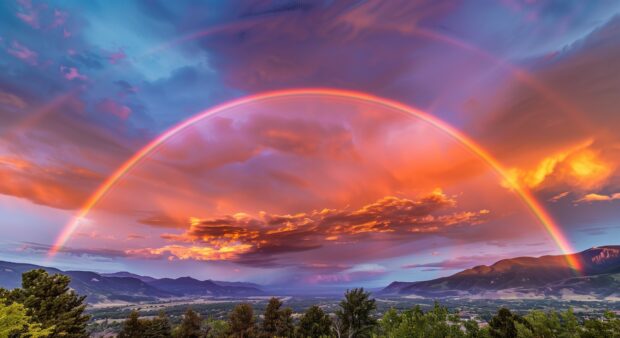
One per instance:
[(355, 313), (314, 323), (191, 326), (241, 321), (132, 327), (158, 327), (285, 327), (15, 323), (48, 301), (269, 327)]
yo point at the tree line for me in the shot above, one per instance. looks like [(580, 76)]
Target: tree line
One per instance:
[(45, 306)]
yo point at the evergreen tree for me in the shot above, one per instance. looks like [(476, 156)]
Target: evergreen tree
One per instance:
[(314, 323), (133, 327), (505, 324), (14, 322), (217, 329), (191, 326), (355, 313), (271, 319), (48, 301), (158, 327), (390, 322), (241, 321), (285, 326)]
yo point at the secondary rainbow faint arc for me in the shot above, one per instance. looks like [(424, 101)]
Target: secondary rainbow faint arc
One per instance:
[(526, 196)]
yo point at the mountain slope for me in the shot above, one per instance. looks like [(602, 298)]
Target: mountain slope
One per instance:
[(542, 276), (125, 286)]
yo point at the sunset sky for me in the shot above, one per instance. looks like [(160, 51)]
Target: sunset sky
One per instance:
[(310, 189)]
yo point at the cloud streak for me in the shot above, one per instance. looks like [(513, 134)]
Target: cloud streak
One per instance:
[(240, 236)]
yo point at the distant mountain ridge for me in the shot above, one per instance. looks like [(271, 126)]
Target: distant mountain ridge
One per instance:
[(129, 287), (546, 276)]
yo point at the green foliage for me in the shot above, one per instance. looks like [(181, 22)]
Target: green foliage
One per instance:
[(505, 324), (217, 328), (314, 323), (158, 327), (277, 322), (549, 325), (191, 326), (48, 301), (14, 322), (438, 322), (608, 327), (355, 314), (134, 327), (241, 321)]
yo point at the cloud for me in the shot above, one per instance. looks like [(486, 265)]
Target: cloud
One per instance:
[(64, 187), (559, 196), (110, 106), (117, 56), (78, 252), (71, 73), (23, 53), (456, 263), (244, 238), (593, 197), (580, 167), (12, 100)]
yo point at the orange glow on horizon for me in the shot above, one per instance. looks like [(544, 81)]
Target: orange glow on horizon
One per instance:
[(526, 196)]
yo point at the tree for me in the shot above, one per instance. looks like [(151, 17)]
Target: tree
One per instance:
[(314, 323), (356, 312), (217, 328), (158, 327), (241, 321), (48, 301), (390, 322), (505, 324), (132, 327), (14, 322), (191, 326), (271, 319), (285, 326), (277, 322)]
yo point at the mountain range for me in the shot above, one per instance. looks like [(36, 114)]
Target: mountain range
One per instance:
[(528, 277), (128, 287), (522, 277)]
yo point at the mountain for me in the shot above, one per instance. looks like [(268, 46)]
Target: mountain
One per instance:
[(128, 287), (122, 274), (187, 286), (546, 276), (148, 279)]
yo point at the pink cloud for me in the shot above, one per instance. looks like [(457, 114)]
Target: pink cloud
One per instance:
[(112, 107), (23, 53), (71, 73), (29, 18), (117, 57), (60, 18)]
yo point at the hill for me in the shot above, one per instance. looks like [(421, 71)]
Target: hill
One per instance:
[(128, 287), (528, 277)]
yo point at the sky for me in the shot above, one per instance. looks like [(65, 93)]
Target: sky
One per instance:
[(307, 189)]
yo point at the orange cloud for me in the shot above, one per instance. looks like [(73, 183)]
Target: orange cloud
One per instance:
[(60, 187), (579, 166), (589, 198), (238, 236), (199, 253)]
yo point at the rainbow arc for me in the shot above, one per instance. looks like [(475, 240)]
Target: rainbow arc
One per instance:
[(524, 194)]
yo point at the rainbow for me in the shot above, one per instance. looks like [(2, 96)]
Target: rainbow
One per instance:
[(525, 195)]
